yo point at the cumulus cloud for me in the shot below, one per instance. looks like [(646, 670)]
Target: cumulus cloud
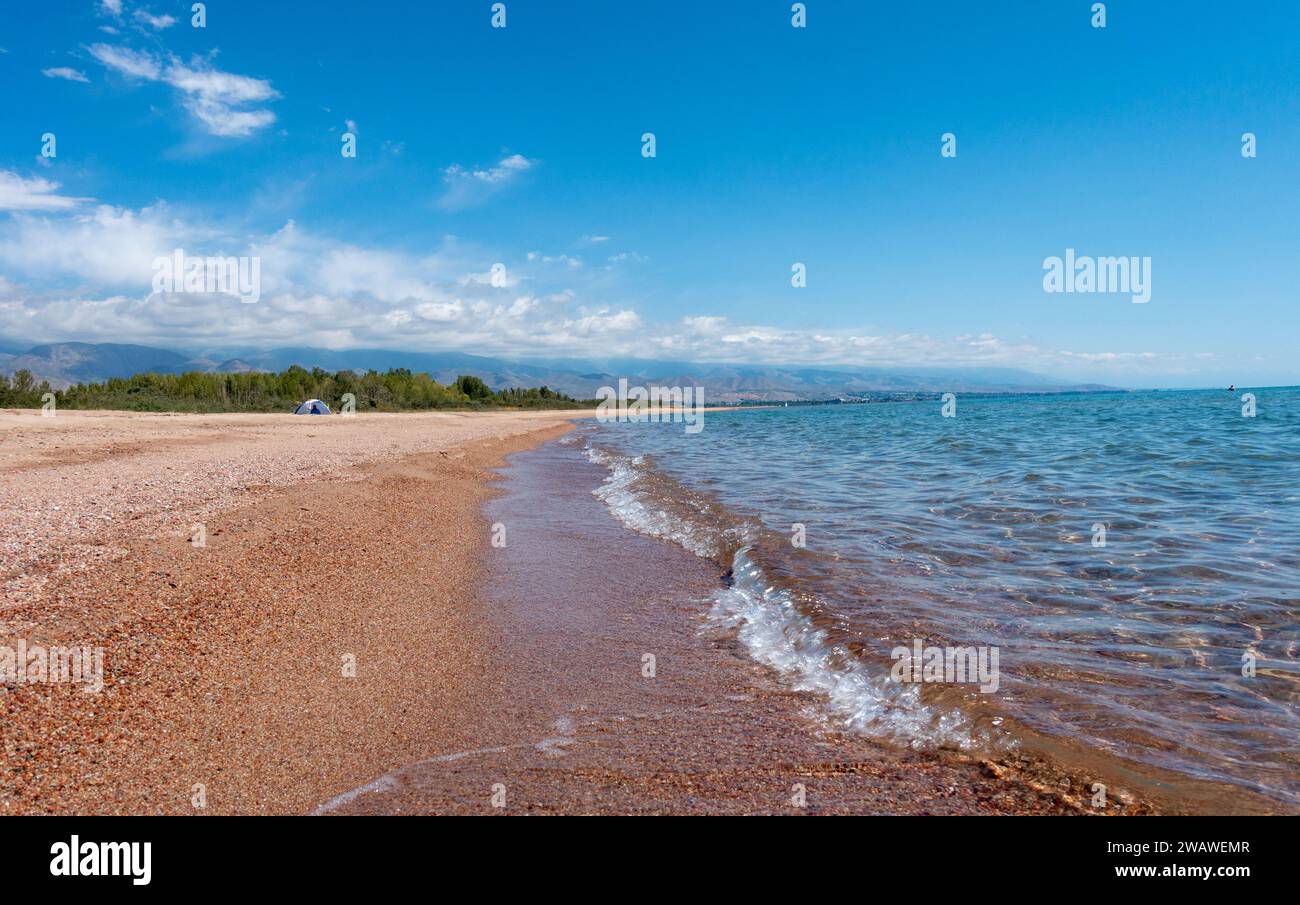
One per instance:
[(469, 187), (36, 194), (89, 274), (225, 103), (86, 273), (104, 247), (64, 72)]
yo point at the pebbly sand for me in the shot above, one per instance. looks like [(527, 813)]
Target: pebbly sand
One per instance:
[(349, 640), (325, 537)]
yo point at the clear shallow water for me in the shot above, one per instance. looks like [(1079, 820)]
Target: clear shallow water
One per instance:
[(978, 530)]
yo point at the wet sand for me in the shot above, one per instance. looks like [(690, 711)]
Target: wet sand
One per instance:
[(584, 721), (484, 675)]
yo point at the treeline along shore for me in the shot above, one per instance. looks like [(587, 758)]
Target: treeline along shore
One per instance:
[(395, 390)]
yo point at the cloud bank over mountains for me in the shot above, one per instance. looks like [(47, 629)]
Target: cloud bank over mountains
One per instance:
[(76, 270)]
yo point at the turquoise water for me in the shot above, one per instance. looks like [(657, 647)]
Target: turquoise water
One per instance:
[(982, 530)]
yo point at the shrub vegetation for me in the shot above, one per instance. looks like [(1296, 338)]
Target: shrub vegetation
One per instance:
[(396, 390)]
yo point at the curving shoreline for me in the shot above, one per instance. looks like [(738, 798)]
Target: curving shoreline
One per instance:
[(576, 605), (368, 538)]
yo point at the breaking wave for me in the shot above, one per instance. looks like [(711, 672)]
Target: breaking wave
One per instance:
[(768, 619)]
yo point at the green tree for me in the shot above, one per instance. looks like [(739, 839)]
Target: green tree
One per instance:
[(473, 387)]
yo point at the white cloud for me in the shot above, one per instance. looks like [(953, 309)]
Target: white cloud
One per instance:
[(466, 188), (507, 280), (36, 194), (219, 100), (131, 63), (111, 7), (624, 257), (157, 23), (567, 260), (704, 324), (320, 291), (105, 247), (605, 321), (212, 96), (64, 72)]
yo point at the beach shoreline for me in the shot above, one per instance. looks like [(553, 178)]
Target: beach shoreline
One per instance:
[(617, 695), (227, 685)]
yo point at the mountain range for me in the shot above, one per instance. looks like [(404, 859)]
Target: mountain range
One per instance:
[(64, 364)]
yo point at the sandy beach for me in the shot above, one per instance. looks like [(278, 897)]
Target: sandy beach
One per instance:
[(223, 663), (348, 639)]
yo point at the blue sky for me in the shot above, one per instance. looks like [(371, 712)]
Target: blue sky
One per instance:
[(775, 145)]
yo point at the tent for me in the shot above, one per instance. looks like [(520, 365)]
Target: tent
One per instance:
[(313, 407)]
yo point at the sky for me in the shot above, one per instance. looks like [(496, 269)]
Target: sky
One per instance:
[(523, 147)]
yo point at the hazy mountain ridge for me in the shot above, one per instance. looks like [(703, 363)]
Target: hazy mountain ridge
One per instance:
[(63, 364)]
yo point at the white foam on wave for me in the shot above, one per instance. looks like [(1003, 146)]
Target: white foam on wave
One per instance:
[(780, 636), (777, 634), (633, 509)]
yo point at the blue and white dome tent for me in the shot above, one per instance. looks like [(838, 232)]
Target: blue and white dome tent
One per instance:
[(313, 407)]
